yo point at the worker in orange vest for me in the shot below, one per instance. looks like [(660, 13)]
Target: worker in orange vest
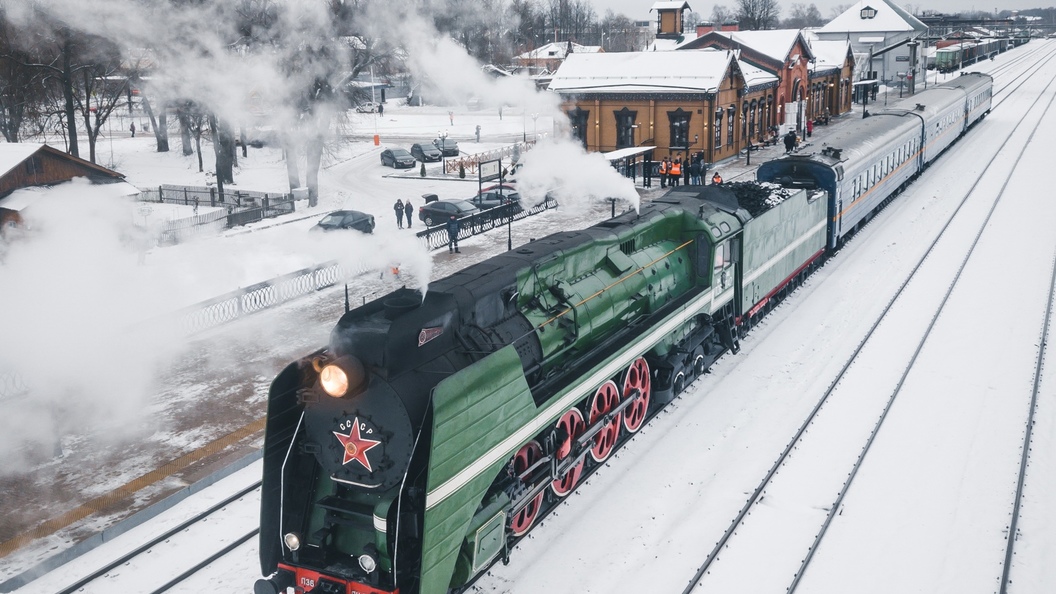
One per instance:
[(675, 172), (663, 173), (716, 179)]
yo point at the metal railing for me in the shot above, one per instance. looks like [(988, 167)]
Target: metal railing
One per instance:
[(225, 308), (471, 162), (436, 236), (243, 206)]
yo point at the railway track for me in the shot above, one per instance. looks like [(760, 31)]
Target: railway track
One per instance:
[(1013, 532), (163, 562), (816, 445)]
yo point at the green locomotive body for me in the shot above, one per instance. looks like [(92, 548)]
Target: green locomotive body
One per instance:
[(480, 406)]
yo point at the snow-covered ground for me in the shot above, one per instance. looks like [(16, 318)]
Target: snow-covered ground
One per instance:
[(927, 509)]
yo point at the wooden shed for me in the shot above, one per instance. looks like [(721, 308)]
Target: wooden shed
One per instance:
[(24, 165)]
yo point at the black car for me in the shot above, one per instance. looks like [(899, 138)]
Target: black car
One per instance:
[(447, 146), (397, 157), (346, 219), (436, 213), (492, 198), (425, 152)]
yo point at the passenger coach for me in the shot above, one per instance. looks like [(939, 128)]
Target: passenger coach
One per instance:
[(866, 162)]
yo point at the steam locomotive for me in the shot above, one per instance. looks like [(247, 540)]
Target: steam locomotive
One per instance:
[(433, 431)]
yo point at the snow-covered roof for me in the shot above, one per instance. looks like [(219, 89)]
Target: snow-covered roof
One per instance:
[(12, 154), (754, 75), (557, 50), (829, 53), (775, 44), (22, 198), (670, 5), (662, 44), (889, 17), (623, 72)]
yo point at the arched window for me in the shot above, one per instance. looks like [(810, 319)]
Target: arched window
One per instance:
[(679, 123), (718, 128), (730, 113), (751, 119), (744, 121), (625, 127), (577, 118)]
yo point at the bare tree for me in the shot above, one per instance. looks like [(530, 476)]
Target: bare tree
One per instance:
[(802, 16), (621, 35), (722, 14), (21, 91), (754, 15), (101, 85), (192, 124)]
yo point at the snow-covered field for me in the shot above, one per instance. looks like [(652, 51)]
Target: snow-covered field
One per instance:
[(926, 511)]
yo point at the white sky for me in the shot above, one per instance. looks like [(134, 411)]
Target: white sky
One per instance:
[(639, 9)]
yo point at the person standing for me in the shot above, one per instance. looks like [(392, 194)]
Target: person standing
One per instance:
[(452, 235), (685, 171), (132, 129), (664, 165), (675, 172), (381, 109), (451, 117), (398, 209), (694, 172), (478, 133), (810, 128), (408, 210), (790, 141)]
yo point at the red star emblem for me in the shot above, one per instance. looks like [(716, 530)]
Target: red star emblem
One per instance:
[(356, 446)]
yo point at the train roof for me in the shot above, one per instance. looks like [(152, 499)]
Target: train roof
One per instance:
[(858, 139)]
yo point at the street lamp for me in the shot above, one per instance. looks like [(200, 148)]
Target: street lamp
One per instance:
[(443, 156)]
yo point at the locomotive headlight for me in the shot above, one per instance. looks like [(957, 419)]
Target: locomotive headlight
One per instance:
[(367, 563), (343, 377), (334, 380), (292, 540)]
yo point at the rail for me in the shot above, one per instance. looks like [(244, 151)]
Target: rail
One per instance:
[(835, 508)]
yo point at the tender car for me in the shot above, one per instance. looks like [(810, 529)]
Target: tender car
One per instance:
[(438, 212), (367, 107), (425, 152), (397, 158), (346, 219), (447, 146)]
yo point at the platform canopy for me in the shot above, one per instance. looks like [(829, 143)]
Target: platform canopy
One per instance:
[(630, 151)]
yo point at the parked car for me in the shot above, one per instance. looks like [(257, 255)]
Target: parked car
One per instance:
[(490, 198), (425, 152), (436, 213), (447, 146), (367, 107), (397, 158), (346, 219)]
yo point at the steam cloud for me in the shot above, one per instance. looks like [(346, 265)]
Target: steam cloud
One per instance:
[(79, 295)]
